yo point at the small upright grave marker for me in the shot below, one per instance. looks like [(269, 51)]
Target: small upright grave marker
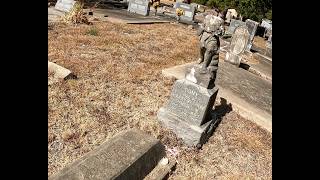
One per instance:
[(238, 45), (141, 7)]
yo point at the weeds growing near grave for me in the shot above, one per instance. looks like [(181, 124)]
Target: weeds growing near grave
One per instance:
[(76, 15), (92, 31)]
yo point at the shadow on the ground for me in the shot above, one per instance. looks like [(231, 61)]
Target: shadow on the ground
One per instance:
[(244, 66), (222, 109), (218, 113)]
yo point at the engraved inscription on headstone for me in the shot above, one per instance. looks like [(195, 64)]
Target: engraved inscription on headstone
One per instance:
[(188, 11), (233, 25), (238, 45), (64, 5), (190, 102), (139, 6), (189, 112)]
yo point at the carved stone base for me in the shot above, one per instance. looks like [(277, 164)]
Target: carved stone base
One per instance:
[(192, 135)]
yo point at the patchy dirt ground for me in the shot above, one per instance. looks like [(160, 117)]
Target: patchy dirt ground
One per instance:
[(120, 86), (260, 42)]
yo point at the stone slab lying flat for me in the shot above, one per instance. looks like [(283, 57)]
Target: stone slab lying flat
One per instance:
[(162, 171), (263, 68), (129, 155), (59, 72), (250, 95)]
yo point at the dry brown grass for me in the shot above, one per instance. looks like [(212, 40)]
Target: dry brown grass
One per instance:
[(237, 150), (259, 42), (120, 86)]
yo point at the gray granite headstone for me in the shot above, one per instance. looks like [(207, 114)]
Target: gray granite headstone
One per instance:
[(64, 5), (189, 11), (252, 28), (189, 111), (239, 41), (139, 6), (190, 102), (233, 25)]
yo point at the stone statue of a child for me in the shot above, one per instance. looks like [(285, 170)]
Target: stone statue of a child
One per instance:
[(209, 33)]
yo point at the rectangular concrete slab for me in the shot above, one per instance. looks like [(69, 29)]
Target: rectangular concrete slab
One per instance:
[(250, 95), (129, 155), (263, 68), (162, 171)]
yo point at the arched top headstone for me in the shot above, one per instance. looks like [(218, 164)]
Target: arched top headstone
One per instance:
[(239, 40)]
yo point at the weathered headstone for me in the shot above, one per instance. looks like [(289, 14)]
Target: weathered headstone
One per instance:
[(188, 11), (129, 155), (65, 5), (189, 112), (266, 23), (233, 25), (252, 28), (139, 6), (238, 45)]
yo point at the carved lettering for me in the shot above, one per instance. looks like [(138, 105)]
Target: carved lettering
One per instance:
[(188, 103)]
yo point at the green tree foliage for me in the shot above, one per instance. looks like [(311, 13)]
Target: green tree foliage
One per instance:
[(249, 9)]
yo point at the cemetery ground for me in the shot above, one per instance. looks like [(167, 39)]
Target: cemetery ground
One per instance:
[(119, 86)]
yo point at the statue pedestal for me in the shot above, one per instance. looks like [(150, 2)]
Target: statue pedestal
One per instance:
[(205, 80)]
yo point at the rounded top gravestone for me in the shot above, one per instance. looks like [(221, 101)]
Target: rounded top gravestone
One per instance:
[(239, 40)]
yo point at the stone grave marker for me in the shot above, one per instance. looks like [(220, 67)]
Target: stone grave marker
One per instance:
[(233, 25), (189, 112), (141, 7), (65, 5), (252, 28), (188, 11), (239, 41), (266, 23), (129, 155)]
